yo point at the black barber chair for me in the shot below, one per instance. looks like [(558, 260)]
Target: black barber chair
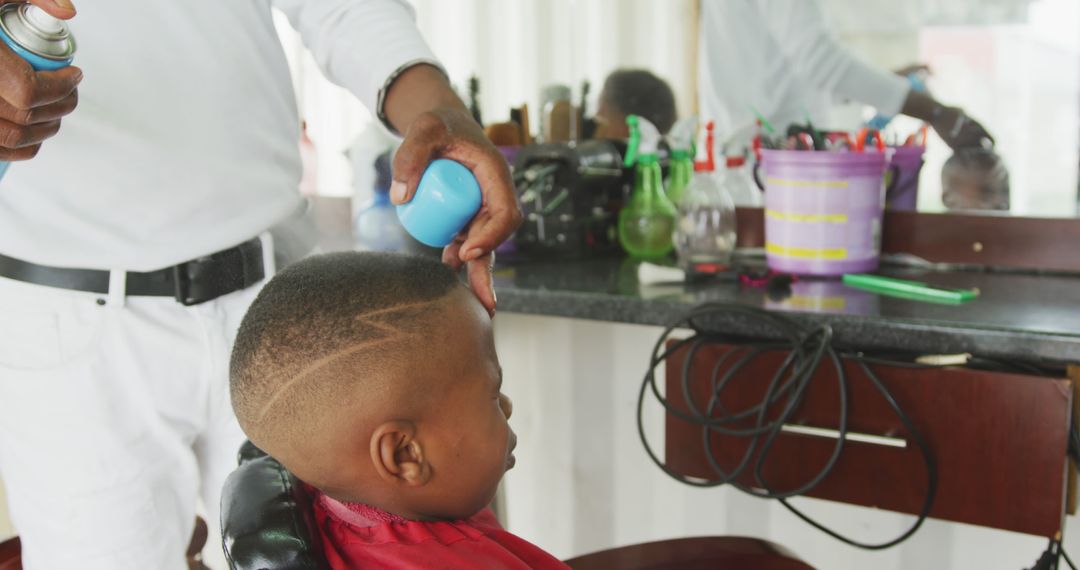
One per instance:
[(11, 554), (267, 523)]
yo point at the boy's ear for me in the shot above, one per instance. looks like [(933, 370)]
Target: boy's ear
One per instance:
[(398, 456)]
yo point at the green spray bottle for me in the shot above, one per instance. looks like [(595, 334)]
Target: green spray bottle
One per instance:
[(681, 167), (647, 220)]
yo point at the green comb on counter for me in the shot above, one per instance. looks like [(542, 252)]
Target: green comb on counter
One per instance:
[(913, 290)]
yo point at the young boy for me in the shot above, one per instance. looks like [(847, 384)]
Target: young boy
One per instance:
[(373, 378)]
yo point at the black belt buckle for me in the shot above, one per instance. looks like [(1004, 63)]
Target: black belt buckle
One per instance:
[(207, 278), (182, 285)]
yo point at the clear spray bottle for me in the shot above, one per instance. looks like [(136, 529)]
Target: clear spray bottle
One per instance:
[(705, 235)]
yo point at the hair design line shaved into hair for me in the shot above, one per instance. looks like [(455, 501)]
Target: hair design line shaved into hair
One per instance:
[(392, 334)]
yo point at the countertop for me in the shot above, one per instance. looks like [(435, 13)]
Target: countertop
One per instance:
[(1017, 316), (1035, 318)]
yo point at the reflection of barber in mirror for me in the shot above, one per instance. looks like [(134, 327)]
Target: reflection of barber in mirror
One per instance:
[(779, 57), (633, 92)]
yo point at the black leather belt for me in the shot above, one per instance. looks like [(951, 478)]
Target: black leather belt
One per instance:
[(190, 283)]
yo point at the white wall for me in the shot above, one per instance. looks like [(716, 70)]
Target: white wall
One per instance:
[(6, 530), (583, 483)]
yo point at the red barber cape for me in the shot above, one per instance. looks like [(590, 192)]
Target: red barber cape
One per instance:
[(360, 537)]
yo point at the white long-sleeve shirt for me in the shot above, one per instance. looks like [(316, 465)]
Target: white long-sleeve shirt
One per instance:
[(777, 56), (185, 139)]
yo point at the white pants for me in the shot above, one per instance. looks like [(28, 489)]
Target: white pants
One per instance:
[(114, 419)]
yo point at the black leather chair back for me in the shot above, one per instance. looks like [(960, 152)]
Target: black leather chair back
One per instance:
[(266, 517)]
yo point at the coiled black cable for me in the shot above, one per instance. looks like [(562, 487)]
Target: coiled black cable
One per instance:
[(1068, 560), (806, 348)]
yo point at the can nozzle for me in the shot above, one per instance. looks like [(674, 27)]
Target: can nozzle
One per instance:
[(41, 21), (36, 36)]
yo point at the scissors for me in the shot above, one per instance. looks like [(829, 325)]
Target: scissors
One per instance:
[(800, 141), (918, 138), (814, 136), (839, 140)]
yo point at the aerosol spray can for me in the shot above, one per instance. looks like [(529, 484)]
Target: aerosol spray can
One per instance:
[(43, 41)]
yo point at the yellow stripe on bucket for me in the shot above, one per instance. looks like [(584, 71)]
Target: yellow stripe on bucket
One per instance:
[(805, 252), (807, 218), (820, 303), (807, 183)]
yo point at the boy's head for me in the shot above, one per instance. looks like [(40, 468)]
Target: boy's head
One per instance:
[(374, 378), (633, 92)]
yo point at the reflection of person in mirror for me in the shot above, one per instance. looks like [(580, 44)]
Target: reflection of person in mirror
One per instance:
[(778, 57), (633, 92), (973, 180)]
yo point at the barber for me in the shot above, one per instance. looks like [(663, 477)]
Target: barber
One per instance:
[(779, 57), (133, 242)]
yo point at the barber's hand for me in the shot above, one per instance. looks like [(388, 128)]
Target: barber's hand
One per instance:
[(33, 102), (479, 271), (960, 131), (452, 133)]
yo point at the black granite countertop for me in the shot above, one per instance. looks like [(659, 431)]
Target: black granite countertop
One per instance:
[(1034, 318)]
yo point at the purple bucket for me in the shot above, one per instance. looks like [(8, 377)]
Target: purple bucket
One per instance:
[(823, 211), (508, 247), (509, 153), (905, 164)]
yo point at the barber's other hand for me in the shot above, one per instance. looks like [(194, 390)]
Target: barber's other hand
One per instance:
[(62, 9), (452, 133), (33, 102), (960, 131)]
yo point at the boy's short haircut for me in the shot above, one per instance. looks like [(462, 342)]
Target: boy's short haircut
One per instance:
[(325, 313)]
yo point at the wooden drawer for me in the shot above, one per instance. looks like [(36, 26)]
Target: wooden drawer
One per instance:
[(999, 439)]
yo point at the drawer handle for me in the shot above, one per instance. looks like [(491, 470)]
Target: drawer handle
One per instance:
[(850, 436)]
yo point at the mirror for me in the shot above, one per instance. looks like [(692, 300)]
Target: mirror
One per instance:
[(1012, 65)]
